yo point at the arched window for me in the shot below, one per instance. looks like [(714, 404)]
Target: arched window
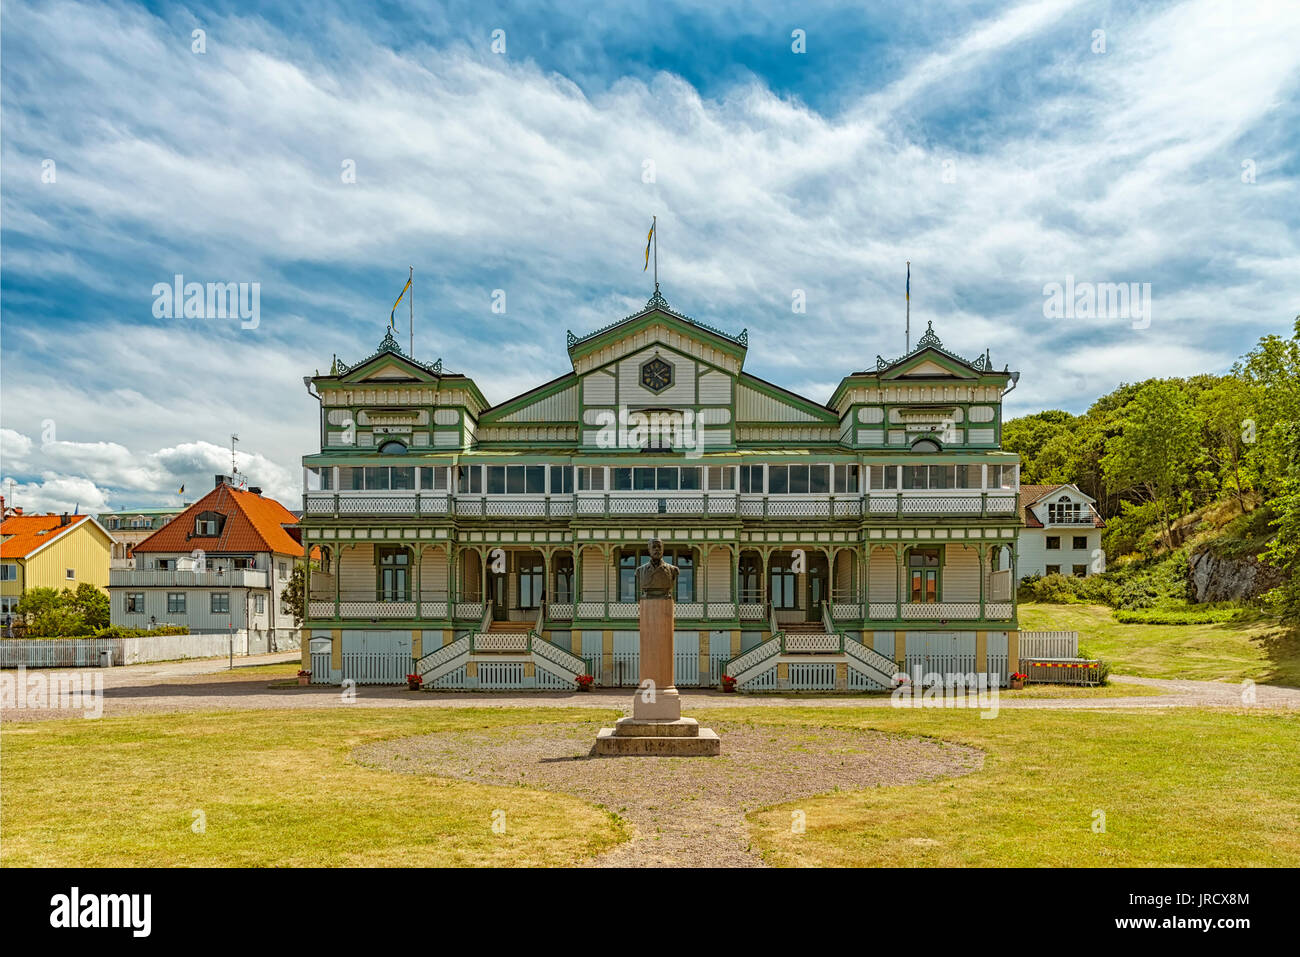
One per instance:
[(925, 445), (392, 448)]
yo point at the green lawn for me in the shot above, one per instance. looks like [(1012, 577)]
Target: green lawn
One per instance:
[(1178, 787), (1261, 650), (277, 788)]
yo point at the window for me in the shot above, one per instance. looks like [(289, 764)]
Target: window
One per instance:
[(925, 445), (1080, 571), (751, 479), (591, 479), (176, 602), (799, 479), (392, 448), (561, 480), (433, 479), (1053, 542), (259, 604), (516, 479), (208, 524), (722, 478), (1002, 476), (135, 603), (783, 582), (70, 573), (9, 572), (531, 580), (1080, 542), (884, 476), (219, 602), (283, 569), (1053, 569), (846, 478), (923, 574), (630, 558), (394, 574), (470, 480)]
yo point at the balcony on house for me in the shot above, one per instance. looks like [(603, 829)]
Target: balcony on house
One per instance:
[(758, 492), (180, 578)]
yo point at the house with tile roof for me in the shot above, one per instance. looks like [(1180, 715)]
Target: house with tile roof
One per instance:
[(217, 567), (131, 526), (1061, 534), (50, 551)]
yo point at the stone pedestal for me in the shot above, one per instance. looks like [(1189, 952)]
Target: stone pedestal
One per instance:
[(657, 726)]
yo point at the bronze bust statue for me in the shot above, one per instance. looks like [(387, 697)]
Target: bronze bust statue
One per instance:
[(656, 578)]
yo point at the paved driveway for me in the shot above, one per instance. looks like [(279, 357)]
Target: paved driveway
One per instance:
[(208, 685)]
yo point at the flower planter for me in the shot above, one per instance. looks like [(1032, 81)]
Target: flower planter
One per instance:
[(304, 681), (414, 685), (1017, 684)]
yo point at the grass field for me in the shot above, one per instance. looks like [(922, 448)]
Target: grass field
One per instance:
[(1231, 651), (1178, 787)]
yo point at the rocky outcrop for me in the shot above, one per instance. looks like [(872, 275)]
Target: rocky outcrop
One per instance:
[(1216, 578)]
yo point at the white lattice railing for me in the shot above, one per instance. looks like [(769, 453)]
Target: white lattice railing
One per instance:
[(560, 611), (444, 660), (850, 610), (805, 643), (751, 611), (377, 609), (719, 609), (321, 609), (751, 662), (624, 609), (559, 657), (997, 610), (882, 610), (872, 662), (690, 609), (469, 609), (942, 609), (500, 641), (591, 609)]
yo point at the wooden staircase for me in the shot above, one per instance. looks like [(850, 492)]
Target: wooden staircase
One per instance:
[(510, 627), (804, 628)]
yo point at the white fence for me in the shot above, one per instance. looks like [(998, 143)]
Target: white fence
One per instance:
[(91, 652), (1049, 644)]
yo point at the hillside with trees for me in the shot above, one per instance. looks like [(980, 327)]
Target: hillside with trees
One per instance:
[(1198, 480)]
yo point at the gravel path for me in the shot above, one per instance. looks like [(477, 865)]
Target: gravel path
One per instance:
[(207, 685), (686, 812)]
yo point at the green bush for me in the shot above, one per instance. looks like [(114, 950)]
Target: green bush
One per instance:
[(117, 631), (1178, 616)]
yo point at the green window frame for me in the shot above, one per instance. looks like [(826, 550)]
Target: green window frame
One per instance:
[(392, 573), (924, 575)]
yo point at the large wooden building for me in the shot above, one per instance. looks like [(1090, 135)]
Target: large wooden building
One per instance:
[(822, 546)]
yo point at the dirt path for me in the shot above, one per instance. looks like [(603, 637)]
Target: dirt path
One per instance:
[(684, 811), (207, 685)]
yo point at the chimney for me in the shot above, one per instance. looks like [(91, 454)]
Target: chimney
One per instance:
[(63, 519), (222, 480), (256, 490)]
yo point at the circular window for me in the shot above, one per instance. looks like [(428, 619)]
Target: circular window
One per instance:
[(392, 448)]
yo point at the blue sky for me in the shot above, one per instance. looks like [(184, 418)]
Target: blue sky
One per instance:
[(999, 147)]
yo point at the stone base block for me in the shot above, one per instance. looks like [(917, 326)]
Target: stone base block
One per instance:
[(705, 743), (667, 706), (642, 728)]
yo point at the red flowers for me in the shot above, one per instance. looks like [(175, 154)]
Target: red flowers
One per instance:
[(584, 682)]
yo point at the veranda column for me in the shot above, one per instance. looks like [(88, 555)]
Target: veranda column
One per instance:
[(981, 548)]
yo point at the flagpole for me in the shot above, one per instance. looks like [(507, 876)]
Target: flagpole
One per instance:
[(654, 224), (411, 303), (908, 332)]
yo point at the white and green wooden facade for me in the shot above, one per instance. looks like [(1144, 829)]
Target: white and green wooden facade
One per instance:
[(821, 545)]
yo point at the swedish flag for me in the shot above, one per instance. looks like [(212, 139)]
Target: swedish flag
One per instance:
[(649, 237), (392, 316)]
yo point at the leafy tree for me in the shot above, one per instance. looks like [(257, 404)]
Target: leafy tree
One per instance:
[(1153, 451), (294, 592), (90, 603)]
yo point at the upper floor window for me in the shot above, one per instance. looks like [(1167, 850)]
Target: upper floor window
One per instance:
[(591, 478), (663, 479), (209, 524), (751, 478), (925, 445), (8, 572), (470, 480), (721, 478), (561, 480), (1064, 511), (433, 479), (1002, 476), (630, 558), (393, 448), (798, 479), (516, 479), (941, 476)]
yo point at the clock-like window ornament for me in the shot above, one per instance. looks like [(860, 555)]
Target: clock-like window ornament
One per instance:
[(656, 374)]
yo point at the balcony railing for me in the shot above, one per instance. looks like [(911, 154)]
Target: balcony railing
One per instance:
[(882, 505), (212, 578)]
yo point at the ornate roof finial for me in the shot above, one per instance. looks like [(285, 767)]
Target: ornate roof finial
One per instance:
[(657, 301), (929, 339)]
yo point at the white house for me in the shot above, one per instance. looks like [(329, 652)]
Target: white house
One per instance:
[(1061, 534)]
